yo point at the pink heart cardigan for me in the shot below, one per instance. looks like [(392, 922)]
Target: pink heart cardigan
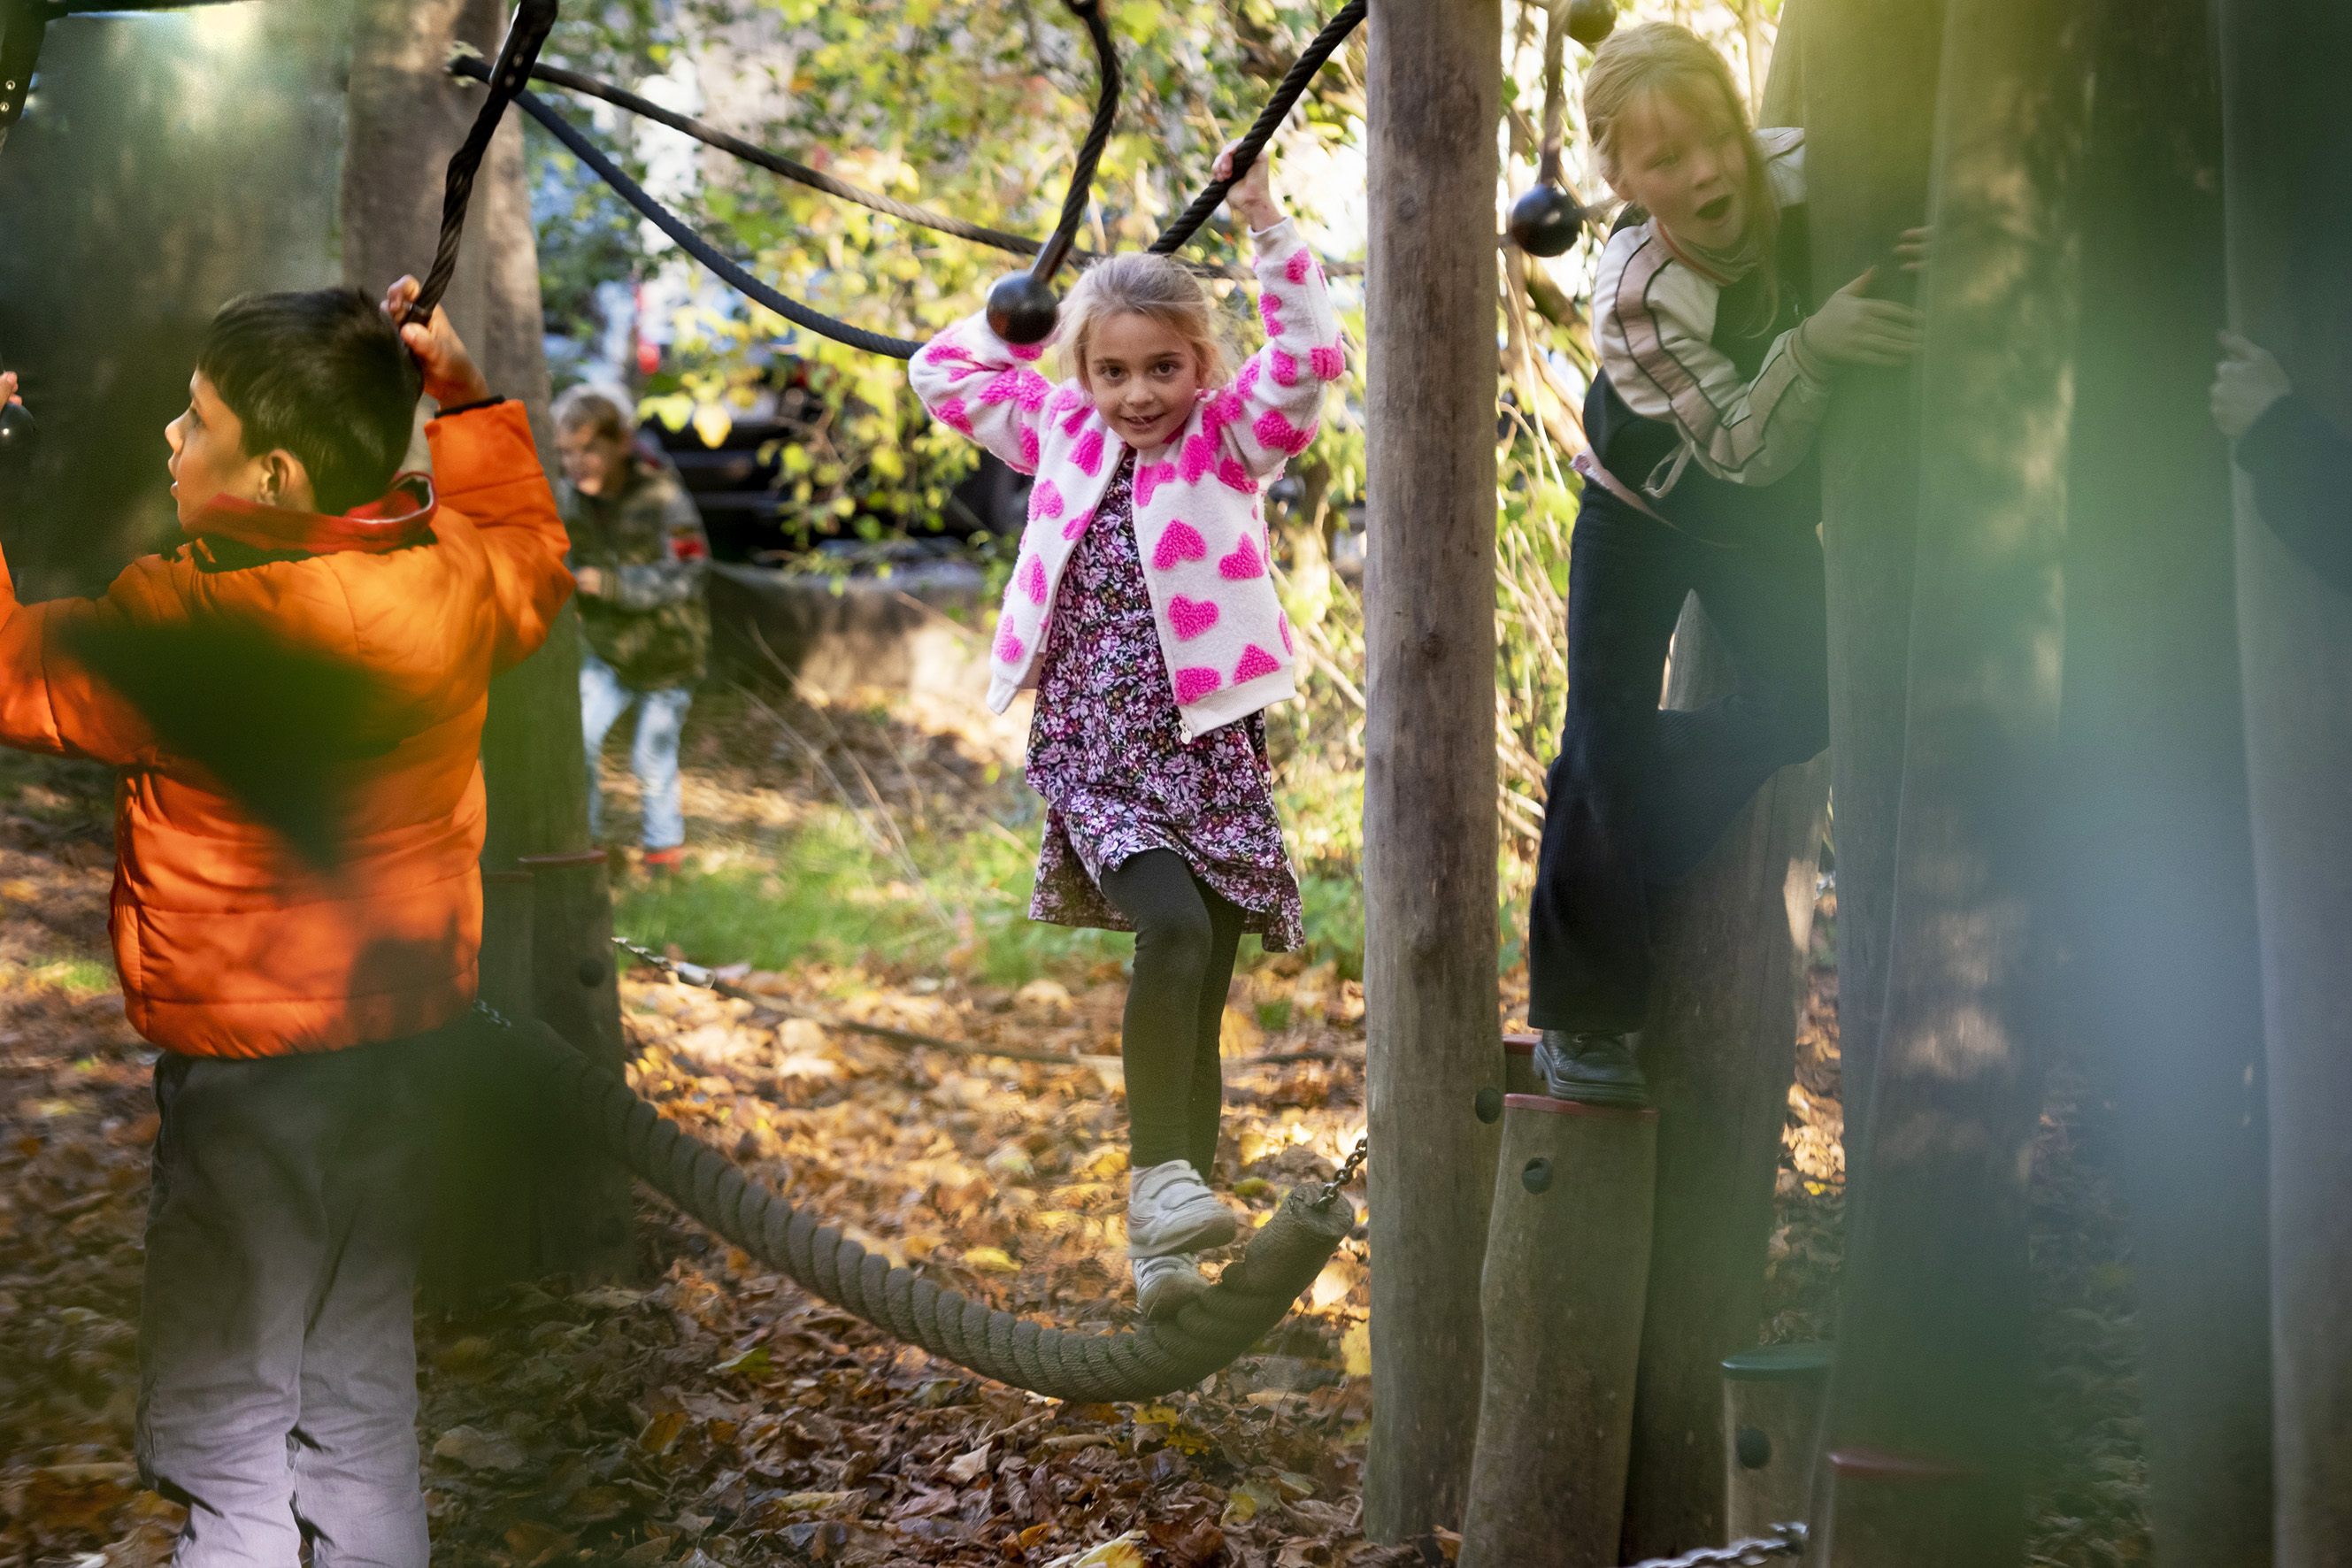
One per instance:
[(1199, 523)]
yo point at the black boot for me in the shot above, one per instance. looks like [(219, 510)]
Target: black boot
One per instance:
[(1593, 1070)]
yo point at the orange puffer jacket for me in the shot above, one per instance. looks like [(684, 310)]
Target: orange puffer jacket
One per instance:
[(230, 943)]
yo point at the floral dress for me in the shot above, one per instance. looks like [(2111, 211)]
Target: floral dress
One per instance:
[(1107, 750)]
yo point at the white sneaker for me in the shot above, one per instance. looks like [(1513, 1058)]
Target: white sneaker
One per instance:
[(1171, 1210), (1162, 1285)]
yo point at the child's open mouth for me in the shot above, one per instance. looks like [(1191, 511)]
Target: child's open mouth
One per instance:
[(1713, 211)]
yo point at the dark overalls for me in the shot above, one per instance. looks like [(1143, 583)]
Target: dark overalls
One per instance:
[(1637, 795)]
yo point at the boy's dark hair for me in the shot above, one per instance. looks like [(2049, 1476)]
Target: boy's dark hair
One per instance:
[(323, 375)]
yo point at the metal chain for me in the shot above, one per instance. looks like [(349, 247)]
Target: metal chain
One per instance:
[(492, 1013), (1347, 1173), (1785, 1540)]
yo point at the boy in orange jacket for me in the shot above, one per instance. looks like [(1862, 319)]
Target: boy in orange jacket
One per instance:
[(292, 993)]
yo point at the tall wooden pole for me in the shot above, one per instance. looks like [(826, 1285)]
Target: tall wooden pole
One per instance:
[(1933, 1327), (1719, 1049), (2165, 982), (1870, 94), (407, 115), (2289, 226), (1433, 89)]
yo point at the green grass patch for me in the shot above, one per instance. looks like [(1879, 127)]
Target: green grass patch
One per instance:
[(821, 892)]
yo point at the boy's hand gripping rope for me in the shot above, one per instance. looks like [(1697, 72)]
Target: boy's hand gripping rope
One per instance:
[(1023, 306), (525, 37), (1254, 1294)]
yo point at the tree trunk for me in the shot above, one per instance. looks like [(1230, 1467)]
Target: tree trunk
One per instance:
[(2289, 228), (1870, 93), (1932, 1336), (170, 162), (1429, 826), (2160, 901), (406, 116), (1719, 1049)]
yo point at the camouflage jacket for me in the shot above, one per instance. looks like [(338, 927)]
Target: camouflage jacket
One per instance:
[(646, 618)]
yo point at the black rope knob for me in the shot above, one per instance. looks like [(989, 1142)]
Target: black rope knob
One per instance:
[(1022, 308), (20, 434), (1590, 21), (1546, 219)]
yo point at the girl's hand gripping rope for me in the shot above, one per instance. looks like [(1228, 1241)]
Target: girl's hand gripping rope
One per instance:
[(451, 377), (1252, 198)]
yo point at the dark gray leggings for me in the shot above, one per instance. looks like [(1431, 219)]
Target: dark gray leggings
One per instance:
[(1185, 938)]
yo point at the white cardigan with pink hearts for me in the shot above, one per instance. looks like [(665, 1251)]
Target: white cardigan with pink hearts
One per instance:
[(1199, 523)]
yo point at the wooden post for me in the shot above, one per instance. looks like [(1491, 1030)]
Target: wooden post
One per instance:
[(405, 116), (1719, 1049), (1869, 75), (1932, 1336), (1566, 1273), (2283, 65), (1434, 93), (1898, 1508), (2158, 889), (1772, 1419)]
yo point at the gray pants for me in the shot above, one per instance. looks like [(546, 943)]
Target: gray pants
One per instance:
[(277, 1349)]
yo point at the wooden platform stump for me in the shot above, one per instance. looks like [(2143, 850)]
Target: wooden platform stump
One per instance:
[(1771, 1418), (1567, 1272), (1519, 1075), (1892, 1510)]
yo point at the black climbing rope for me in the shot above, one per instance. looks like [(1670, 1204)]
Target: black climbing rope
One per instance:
[(1547, 217), (1022, 307), (525, 35), (1294, 87), (1031, 290), (1255, 1292)]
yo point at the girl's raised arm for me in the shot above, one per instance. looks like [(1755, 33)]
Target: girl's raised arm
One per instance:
[(1269, 414), (975, 382)]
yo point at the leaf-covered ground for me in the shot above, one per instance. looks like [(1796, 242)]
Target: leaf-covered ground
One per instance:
[(711, 1413)]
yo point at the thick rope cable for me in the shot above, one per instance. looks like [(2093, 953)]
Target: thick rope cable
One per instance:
[(533, 19), (1090, 152), (1255, 1293), (1294, 87)]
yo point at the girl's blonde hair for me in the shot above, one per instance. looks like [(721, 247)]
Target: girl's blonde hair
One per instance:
[(1145, 285), (1662, 60)]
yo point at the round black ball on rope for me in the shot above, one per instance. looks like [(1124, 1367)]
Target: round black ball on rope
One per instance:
[(1546, 219), (1022, 308), (20, 434), (1590, 21)]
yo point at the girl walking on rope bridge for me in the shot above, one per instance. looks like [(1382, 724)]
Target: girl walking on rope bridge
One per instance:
[(1142, 611), (1712, 381)]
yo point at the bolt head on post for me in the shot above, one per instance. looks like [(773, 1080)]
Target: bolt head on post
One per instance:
[(20, 434), (1590, 21), (1023, 308), (1546, 219)]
